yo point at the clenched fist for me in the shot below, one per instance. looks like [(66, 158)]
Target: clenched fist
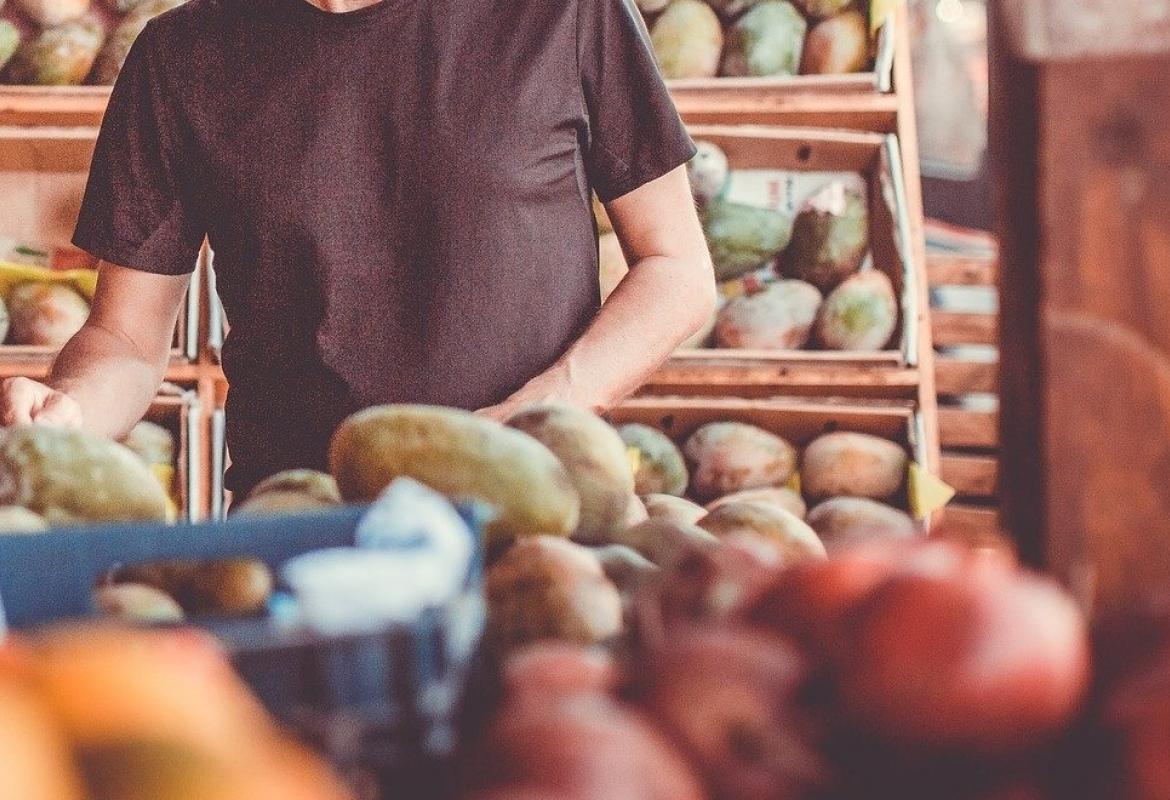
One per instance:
[(24, 401)]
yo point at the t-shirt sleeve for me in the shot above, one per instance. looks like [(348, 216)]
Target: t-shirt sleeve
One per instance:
[(139, 210), (635, 134)]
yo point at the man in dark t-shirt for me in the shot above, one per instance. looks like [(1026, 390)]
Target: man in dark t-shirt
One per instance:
[(397, 193)]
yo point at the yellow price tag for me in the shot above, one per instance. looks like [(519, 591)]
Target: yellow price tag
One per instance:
[(82, 280), (634, 455), (927, 493), (879, 10), (794, 483)]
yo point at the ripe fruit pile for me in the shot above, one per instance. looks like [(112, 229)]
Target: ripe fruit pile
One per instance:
[(894, 669), (109, 714)]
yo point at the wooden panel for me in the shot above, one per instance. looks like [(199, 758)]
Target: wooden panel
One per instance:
[(947, 269), (869, 112), (976, 525), (953, 328), (954, 377), (971, 476), (960, 428)]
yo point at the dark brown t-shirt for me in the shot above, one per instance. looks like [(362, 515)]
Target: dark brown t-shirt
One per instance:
[(397, 197)]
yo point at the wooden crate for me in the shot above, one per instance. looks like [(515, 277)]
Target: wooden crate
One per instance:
[(42, 180), (967, 381), (796, 420), (178, 410), (876, 157)]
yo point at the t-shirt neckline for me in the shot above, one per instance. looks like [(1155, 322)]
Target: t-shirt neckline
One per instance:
[(358, 15)]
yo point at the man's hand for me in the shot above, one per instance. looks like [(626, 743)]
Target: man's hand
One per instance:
[(24, 401)]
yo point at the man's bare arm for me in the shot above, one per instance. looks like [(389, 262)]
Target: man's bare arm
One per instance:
[(105, 377), (668, 295)]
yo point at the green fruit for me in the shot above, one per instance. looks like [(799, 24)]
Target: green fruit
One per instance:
[(137, 602), (595, 458), (309, 482), (60, 56), (117, 47), (9, 44), (728, 457), (687, 40), (462, 455), (820, 9), (853, 465), (744, 238), (708, 172), (861, 314), (673, 509), (829, 239), (68, 476), (766, 41), (797, 540), (661, 540), (846, 521), (153, 443), (45, 314), (783, 498), (549, 588), (661, 468), (837, 46), (780, 317), (15, 520)]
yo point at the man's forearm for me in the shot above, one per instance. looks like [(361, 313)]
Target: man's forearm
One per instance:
[(659, 304), (111, 380)]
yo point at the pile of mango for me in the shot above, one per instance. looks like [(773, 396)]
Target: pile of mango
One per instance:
[(758, 38), (69, 42), (787, 282), (105, 713)]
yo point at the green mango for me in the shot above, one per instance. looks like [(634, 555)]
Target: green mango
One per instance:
[(743, 238), (768, 40)]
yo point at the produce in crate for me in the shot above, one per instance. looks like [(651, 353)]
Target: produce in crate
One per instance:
[(829, 238), (766, 41), (796, 540), (861, 314), (837, 46), (137, 603), (9, 44), (51, 13), (151, 442), (291, 491), (16, 520), (784, 497), (216, 587), (595, 458), (674, 509), (708, 172), (461, 455), (853, 465), (663, 540), (778, 317), (661, 467), (71, 477), (688, 40), (45, 314), (848, 521), (117, 47), (744, 238), (728, 457), (60, 56), (545, 587)]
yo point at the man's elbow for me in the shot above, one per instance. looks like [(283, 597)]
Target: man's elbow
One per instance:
[(703, 295)]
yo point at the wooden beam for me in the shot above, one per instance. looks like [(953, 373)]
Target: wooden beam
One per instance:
[(952, 328), (971, 476), (948, 269), (955, 378), (960, 428)]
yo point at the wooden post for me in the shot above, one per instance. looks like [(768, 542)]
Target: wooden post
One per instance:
[(1081, 143)]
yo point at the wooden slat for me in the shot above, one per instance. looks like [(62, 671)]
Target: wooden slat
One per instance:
[(960, 428), (975, 525), (971, 476), (953, 328), (953, 377), (948, 269)]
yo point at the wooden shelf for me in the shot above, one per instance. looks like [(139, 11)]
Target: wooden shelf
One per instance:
[(53, 105)]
